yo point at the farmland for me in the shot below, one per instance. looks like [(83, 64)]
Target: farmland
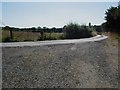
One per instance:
[(29, 36)]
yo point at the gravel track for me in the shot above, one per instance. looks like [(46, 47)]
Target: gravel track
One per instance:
[(73, 65)]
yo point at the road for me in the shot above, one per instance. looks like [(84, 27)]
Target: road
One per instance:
[(78, 63), (52, 42)]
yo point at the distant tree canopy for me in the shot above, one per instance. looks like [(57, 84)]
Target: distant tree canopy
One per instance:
[(112, 19), (34, 29)]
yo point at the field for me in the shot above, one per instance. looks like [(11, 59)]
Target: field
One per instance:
[(29, 36)]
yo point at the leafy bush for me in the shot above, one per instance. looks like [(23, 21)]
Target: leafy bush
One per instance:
[(50, 36), (6, 39), (62, 37), (75, 31)]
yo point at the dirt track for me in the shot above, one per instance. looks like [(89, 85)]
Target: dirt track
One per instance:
[(78, 65)]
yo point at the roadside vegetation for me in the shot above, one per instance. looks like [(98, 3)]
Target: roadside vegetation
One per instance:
[(21, 36), (69, 31), (30, 34), (112, 20), (111, 27), (76, 31)]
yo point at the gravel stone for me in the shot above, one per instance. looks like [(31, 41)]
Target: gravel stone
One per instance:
[(75, 65)]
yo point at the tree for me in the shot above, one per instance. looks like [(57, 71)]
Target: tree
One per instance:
[(6, 28), (89, 24), (10, 29), (33, 29), (112, 19), (39, 28)]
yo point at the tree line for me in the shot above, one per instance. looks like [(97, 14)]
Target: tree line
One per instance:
[(34, 29)]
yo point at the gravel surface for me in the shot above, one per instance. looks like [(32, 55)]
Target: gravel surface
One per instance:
[(76, 65)]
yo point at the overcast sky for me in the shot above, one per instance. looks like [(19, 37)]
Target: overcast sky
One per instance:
[(53, 14)]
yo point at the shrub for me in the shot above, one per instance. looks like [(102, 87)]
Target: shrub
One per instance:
[(94, 33), (6, 39), (50, 36), (75, 31), (61, 37)]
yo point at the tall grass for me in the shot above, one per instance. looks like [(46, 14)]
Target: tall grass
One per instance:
[(29, 36)]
